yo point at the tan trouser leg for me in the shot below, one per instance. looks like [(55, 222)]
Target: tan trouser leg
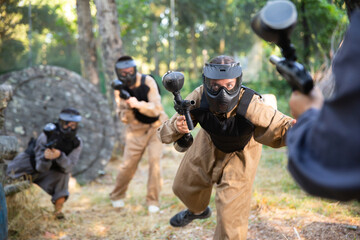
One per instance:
[(136, 142), (134, 148), (234, 173), (233, 193), (154, 148), (193, 183)]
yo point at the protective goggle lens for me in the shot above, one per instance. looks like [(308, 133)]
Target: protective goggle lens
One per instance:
[(123, 73), (68, 124), (214, 86)]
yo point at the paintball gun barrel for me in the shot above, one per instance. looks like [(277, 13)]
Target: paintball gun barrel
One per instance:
[(173, 82), (274, 23), (119, 85)]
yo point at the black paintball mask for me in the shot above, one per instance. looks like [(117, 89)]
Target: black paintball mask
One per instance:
[(68, 123), (222, 99), (127, 62)]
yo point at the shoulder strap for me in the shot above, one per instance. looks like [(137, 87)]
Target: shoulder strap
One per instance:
[(143, 76), (245, 101)]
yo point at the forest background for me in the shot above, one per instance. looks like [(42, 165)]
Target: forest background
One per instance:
[(88, 36)]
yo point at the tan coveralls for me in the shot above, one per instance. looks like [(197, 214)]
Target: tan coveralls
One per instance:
[(232, 173), (138, 137)]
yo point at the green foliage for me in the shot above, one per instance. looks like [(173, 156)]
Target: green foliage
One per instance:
[(269, 81), (64, 55), (11, 55), (52, 37), (318, 22), (11, 49), (203, 30), (214, 22), (136, 16)]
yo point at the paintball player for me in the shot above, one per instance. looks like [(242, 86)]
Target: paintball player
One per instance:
[(235, 122), (50, 166), (142, 113), (324, 144)]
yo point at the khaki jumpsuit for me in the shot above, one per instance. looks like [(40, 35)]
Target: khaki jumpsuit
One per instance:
[(232, 174), (140, 136)]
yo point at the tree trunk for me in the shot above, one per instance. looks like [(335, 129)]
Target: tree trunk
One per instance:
[(111, 49), (307, 34), (155, 33), (193, 52), (86, 42), (111, 44)]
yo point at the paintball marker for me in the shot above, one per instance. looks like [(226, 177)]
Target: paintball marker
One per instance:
[(119, 85), (50, 132), (274, 23), (173, 82)]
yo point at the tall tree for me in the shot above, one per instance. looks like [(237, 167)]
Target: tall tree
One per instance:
[(109, 32), (153, 46), (53, 35), (306, 35), (312, 37), (86, 42), (111, 49), (190, 16)]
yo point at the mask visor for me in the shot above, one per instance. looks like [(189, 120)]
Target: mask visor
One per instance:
[(222, 71), (125, 64)]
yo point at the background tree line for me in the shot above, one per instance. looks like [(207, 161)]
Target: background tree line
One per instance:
[(88, 36)]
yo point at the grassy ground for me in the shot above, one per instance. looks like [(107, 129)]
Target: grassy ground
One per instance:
[(280, 210)]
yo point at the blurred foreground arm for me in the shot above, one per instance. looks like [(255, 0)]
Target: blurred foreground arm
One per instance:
[(323, 146)]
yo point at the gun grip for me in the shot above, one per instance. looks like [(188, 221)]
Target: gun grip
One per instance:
[(189, 121)]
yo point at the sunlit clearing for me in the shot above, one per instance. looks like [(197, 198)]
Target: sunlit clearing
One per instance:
[(101, 230), (84, 204)]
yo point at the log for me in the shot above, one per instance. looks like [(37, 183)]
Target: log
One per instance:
[(14, 188)]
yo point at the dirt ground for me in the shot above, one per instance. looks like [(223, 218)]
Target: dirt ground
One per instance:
[(89, 214)]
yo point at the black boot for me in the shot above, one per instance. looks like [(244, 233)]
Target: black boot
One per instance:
[(183, 218)]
